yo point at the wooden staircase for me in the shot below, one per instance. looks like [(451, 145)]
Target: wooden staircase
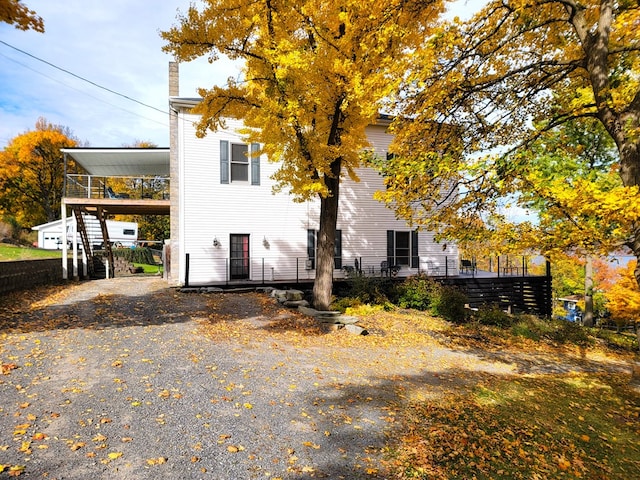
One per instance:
[(95, 266), (86, 245)]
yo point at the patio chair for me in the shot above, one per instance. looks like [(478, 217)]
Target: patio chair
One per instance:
[(467, 266), (111, 194), (388, 270), (432, 268), (384, 268)]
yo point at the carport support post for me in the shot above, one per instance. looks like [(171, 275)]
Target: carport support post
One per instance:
[(74, 247), (65, 252)]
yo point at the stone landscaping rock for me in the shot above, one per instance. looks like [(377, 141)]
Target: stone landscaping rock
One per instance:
[(293, 295), (296, 303), (355, 329), (312, 312), (287, 295)]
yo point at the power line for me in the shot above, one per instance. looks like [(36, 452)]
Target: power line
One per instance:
[(83, 79), (83, 92)]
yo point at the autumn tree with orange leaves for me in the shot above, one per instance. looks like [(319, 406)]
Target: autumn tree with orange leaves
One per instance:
[(32, 173), (316, 73)]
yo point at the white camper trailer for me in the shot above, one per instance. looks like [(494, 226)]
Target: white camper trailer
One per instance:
[(122, 234)]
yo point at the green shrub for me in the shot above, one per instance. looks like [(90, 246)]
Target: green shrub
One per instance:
[(370, 290), (524, 329), (341, 304), (493, 315), (135, 255), (449, 303), (418, 292)]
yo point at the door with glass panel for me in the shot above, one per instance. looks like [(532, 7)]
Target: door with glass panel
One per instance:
[(239, 253)]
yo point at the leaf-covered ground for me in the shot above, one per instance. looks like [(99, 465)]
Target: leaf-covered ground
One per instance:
[(127, 378)]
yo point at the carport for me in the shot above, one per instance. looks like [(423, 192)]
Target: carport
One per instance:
[(89, 191)]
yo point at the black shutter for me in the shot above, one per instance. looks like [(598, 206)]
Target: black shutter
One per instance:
[(391, 247), (415, 260), (224, 161), (337, 251), (255, 164), (311, 248)]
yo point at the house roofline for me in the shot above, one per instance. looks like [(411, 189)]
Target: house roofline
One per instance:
[(190, 102)]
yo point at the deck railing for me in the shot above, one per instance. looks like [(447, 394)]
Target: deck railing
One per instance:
[(140, 187), (211, 269)]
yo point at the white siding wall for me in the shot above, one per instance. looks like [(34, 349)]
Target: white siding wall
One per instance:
[(277, 226)]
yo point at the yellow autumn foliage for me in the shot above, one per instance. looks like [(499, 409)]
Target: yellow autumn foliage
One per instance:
[(316, 73)]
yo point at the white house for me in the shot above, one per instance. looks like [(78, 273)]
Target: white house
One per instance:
[(50, 234), (228, 225)]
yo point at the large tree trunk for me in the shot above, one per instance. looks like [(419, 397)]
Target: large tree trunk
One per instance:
[(323, 285)]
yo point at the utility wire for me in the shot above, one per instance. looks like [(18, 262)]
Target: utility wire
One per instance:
[(83, 79), (81, 91)]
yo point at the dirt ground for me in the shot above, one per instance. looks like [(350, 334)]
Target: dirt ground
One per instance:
[(130, 379)]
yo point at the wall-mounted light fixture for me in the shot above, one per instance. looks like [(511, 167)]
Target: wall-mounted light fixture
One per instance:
[(265, 243), (216, 242)]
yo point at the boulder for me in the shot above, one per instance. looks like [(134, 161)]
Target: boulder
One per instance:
[(356, 330), (293, 295)]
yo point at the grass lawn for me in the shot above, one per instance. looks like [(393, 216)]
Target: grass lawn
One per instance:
[(149, 269), (10, 252), (557, 426)]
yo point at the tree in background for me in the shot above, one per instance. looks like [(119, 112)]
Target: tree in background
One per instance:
[(624, 298), (503, 80), (316, 74), (16, 13), (153, 227), (32, 173), (150, 227)]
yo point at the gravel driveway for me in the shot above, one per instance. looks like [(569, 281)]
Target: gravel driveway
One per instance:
[(115, 380), (129, 379)]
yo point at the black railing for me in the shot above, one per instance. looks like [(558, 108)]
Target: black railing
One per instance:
[(211, 269)]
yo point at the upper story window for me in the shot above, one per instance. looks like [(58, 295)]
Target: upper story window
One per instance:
[(238, 163)]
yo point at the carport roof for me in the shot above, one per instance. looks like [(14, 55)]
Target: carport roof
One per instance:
[(114, 162)]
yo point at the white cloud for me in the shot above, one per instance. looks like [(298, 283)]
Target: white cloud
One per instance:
[(115, 44)]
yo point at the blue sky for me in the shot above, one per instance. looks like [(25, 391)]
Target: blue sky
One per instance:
[(114, 44)]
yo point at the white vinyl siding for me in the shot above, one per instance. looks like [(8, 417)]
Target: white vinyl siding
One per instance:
[(277, 227)]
